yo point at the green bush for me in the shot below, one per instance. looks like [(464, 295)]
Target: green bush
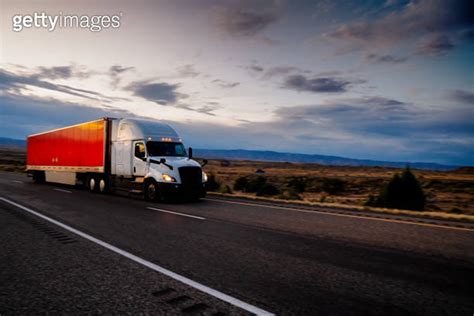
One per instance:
[(402, 192)]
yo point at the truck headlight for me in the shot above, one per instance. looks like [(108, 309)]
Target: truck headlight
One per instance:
[(167, 178), (204, 177)]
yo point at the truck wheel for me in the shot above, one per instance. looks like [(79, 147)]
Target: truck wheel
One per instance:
[(151, 191), (39, 177), (92, 184), (103, 186)]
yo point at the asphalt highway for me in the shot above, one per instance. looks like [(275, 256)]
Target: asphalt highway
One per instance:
[(225, 256)]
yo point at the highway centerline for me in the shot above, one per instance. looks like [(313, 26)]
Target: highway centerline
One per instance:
[(17, 181), (176, 213), (61, 190), (203, 288), (397, 221)]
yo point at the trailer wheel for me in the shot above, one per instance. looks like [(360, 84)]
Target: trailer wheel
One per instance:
[(103, 186), (151, 191), (92, 184), (39, 177)]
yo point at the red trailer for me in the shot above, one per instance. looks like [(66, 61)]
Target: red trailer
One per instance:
[(77, 148)]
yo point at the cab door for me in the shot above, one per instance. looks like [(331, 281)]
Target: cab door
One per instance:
[(139, 159)]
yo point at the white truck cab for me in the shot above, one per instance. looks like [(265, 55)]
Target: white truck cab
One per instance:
[(151, 154)]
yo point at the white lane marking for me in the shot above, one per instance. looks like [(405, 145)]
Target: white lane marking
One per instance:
[(61, 190), (176, 213), (217, 294), (17, 181), (345, 215)]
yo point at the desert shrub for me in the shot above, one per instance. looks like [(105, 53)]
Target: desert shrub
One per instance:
[(212, 183), (240, 184), (371, 201), (289, 195), (255, 184), (455, 210), (402, 192), (333, 185), (225, 189), (268, 189), (298, 184)]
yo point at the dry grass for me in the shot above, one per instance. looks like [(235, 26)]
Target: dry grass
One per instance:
[(449, 192)]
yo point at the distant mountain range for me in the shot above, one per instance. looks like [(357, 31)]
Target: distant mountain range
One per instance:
[(260, 155)]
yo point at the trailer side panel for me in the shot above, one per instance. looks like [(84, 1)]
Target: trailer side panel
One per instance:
[(78, 148)]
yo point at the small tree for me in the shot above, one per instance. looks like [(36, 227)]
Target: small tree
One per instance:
[(402, 192)]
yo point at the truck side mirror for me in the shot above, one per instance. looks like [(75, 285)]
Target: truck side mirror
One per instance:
[(163, 160), (204, 162), (190, 153)]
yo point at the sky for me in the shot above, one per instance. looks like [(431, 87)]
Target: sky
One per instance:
[(385, 80)]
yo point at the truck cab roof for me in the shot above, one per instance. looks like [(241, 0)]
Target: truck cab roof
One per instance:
[(133, 129)]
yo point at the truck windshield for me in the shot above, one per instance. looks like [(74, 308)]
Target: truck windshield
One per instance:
[(165, 149)]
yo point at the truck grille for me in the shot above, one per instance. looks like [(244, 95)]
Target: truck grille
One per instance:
[(191, 177)]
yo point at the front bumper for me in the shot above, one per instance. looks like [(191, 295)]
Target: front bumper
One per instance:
[(178, 191)]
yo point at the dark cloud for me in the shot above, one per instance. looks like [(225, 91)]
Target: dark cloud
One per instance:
[(61, 72), (254, 68), (279, 71), (385, 59), (162, 93), (246, 19), (187, 71), (166, 94), (436, 45), (465, 97), (17, 82), (116, 71), (225, 84), (414, 20), (316, 85)]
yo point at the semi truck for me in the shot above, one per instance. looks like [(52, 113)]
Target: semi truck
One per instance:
[(109, 154)]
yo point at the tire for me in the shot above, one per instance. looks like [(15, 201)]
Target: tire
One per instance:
[(103, 185), (39, 177), (150, 191), (92, 184)]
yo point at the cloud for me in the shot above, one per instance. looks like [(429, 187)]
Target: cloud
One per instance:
[(371, 127), (61, 72), (24, 115), (225, 84), (465, 97), (10, 82), (279, 71), (385, 59), (162, 93), (316, 85), (116, 71), (188, 71), (436, 45), (254, 68), (414, 20), (166, 94), (246, 19)]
